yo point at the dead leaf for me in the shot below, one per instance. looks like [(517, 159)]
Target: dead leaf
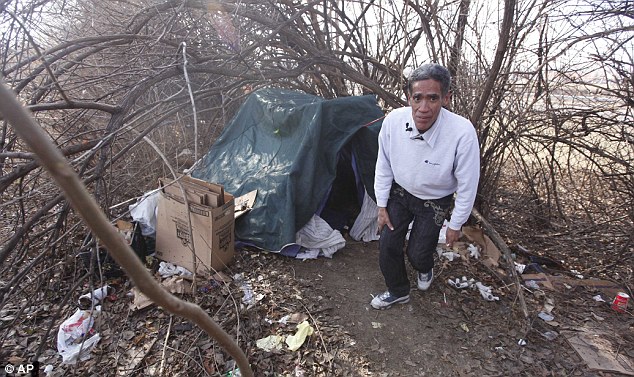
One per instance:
[(133, 357)]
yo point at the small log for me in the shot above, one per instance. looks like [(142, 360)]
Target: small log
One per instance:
[(499, 242)]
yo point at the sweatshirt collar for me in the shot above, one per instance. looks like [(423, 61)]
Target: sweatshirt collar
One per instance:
[(431, 135)]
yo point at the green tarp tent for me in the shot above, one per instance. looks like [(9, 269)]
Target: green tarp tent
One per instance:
[(288, 145)]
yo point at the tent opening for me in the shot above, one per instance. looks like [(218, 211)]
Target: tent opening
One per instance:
[(343, 204)]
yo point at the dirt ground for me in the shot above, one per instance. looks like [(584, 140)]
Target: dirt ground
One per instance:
[(450, 332), (441, 332)]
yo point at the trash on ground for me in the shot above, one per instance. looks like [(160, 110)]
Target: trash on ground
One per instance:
[(550, 335), (167, 269), (294, 342), (234, 370), (521, 342), (577, 274), (94, 298), (141, 301), (248, 298), (449, 255), (532, 284), (461, 283), (620, 302), (297, 317), (176, 284), (519, 267), (490, 254), (464, 327), (293, 318), (48, 370), (546, 316), (598, 352), (473, 251), (73, 343), (549, 304), (486, 292), (561, 283), (377, 325), (271, 343), (598, 298), (299, 372), (537, 280)]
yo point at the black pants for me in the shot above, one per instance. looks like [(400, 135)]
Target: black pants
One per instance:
[(428, 216)]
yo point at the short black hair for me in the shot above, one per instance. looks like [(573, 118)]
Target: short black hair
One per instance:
[(431, 71)]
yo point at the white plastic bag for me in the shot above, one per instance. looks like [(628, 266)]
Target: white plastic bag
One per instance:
[(167, 269), (72, 341), (144, 212)]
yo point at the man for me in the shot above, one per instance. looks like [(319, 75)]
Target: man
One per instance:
[(426, 154)]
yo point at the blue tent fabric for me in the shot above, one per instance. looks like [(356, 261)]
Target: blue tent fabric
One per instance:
[(285, 145)]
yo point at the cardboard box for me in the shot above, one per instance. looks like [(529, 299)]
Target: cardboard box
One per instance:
[(212, 228)]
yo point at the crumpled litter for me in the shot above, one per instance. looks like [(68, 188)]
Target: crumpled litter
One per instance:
[(270, 343), (598, 298), (48, 370), (519, 267), (248, 298), (550, 335), (144, 212), (546, 316), (549, 304), (72, 343), (486, 292), (450, 255), (167, 269), (140, 301), (459, 283), (473, 251), (93, 298), (293, 318), (531, 284), (294, 342), (577, 274)]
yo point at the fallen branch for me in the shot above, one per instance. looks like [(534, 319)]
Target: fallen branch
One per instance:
[(54, 161), (499, 242)]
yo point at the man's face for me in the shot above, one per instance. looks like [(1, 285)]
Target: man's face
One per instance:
[(426, 100)]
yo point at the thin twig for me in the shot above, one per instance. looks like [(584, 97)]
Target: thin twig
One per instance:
[(167, 336), (320, 336), (191, 98)]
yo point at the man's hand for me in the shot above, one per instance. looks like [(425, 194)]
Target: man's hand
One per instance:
[(383, 220), (452, 236)]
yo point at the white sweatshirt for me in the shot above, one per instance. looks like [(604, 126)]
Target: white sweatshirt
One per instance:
[(446, 161)]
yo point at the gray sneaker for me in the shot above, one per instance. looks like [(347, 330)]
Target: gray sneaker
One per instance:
[(386, 299), (425, 279)]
